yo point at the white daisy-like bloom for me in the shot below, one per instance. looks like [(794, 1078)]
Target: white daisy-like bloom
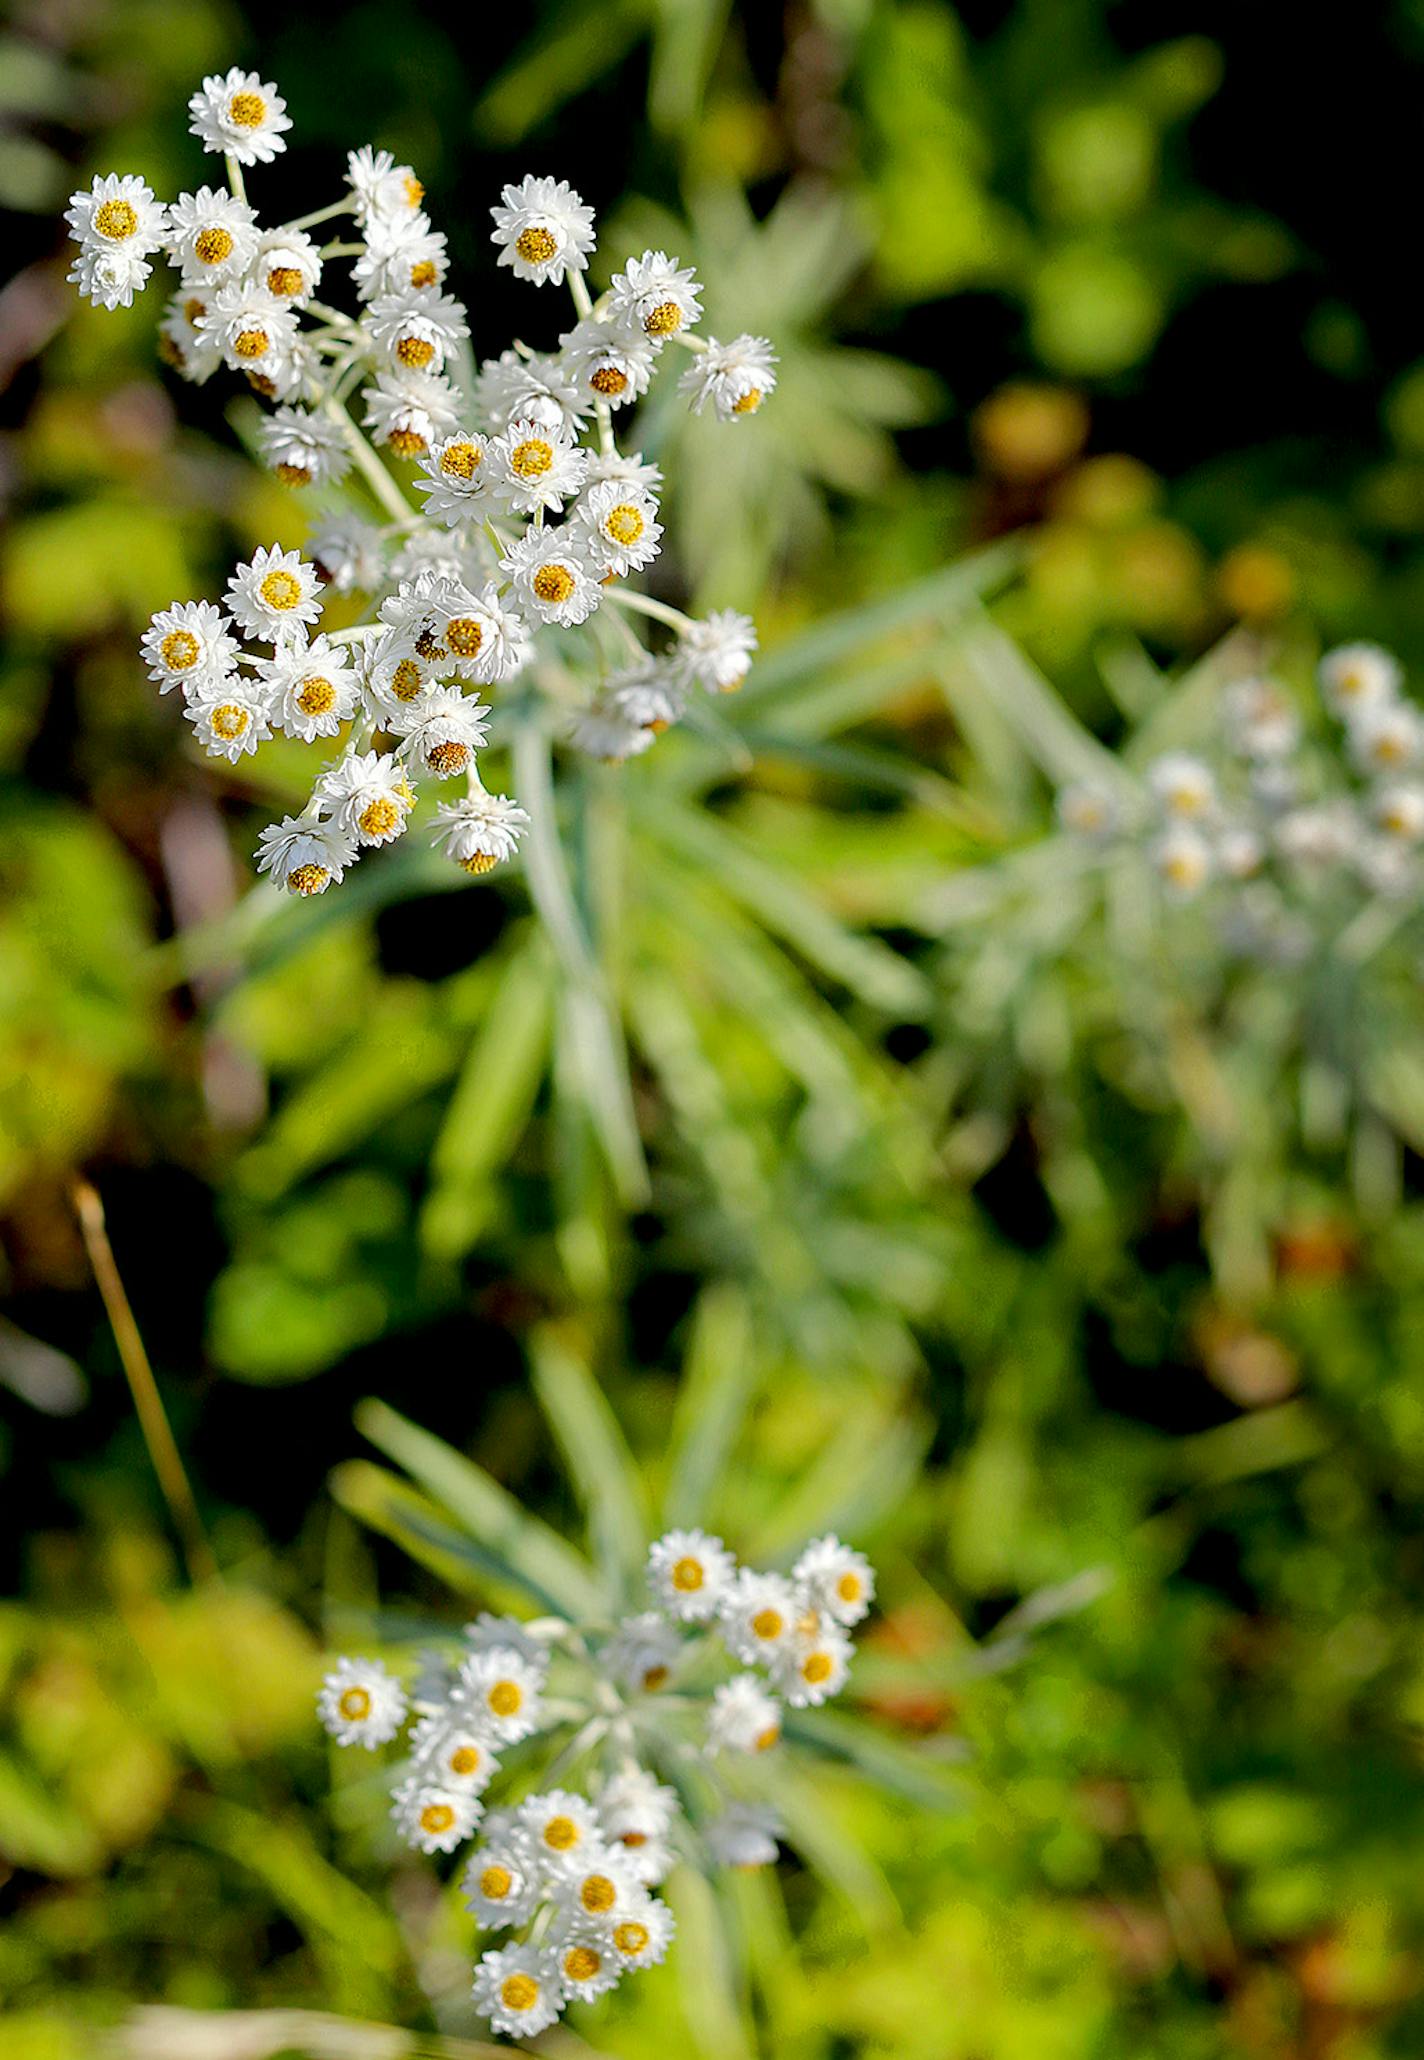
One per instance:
[(642, 1940), (380, 188), (602, 732), (634, 1807), (743, 1717), (212, 235), (734, 378), (181, 345), (288, 265), (434, 1817), (229, 718), (240, 115), (486, 1632), (815, 1664), (119, 216), (350, 552), (648, 693), (367, 796), (1398, 809), (303, 449), (1240, 852), (410, 411), (1088, 811), (481, 831), (311, 688), (550, 571), (837, 1579), (441, 732), (412, 613), (395, 678), (543, 230), (303, 855), (1182, 860), (539, 388), (626, 466), (273, 594), (620, 526), (502, 1883), (643, 1653), (588, 1966), (453, 1754), (360, 1704), (689, 1572), (563, 1829), (1182, 786), (610, 365), (403, 252), (1387, 866), (189, 645), (656, 295), (456, 473), (251, 328), (601, 1888), (535, 466), (744, 1835), (288, 372), (757, 1616), (1262, 720), (502, 1691), (519, 1990), (416, 329), (110, 278), (1319, 835), (717, 653), (436, 552), (1358, 676), (1386, 737)]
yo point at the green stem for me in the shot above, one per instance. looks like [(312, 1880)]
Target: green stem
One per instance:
[(644, 604), (323, 214), (376, 476), (234, 177)]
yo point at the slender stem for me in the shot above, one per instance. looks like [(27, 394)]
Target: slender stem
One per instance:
[(234, 177), (323, 214), (148, 1403), (343, 250), (377, 477), (332, 315), (579, 289), (644, 604), (689, 339)]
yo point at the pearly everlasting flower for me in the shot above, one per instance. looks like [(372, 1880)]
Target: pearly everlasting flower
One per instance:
[(757, 1616), (601, 1888), (543, 230), (603, 732), (501, 1690), (647, 694), (360, 1704), (304, 855), (620, 527), (273, 594), (1398, 810), (453, 1754), (487, 1632), (1182, 860), (1386, 736), (814, 1665), (181, 345), (643, 1653), (518, 1989), (1240, 852), (367, 797), (611, 366), (110, 278), (241, 116), (409, 411), (550, 572), (587, 1963), (229, 717), (417, 330), (480, 831), (1261, 719), (441, 732), (533, 466), (626, 466), (1317, 836), (212, 235), (642, 1940), (515, 388), (189, 645), (1359, 676), (717, 653), (689, 1573), (288, 265), (402, 252), (744, 1836), (1088, 811), (304, 449), (838, 1580), (655, 295), (563, 1829), (734, 378), (380, 188), (119, 217), (743, 1717), (634, 1807), (1182, 786), (502, 1883), (434, 1817), (253, 330), (456, 474), (350, 553), (311, 689)]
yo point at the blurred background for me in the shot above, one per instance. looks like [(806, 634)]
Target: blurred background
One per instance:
[(1121, 287)]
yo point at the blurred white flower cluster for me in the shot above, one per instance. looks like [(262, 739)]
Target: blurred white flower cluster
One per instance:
[(572, 1870), (529, 515), (1292, 818)]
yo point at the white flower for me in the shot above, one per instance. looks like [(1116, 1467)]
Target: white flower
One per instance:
[(756, 1616), (367, 796), (288, 264), (1387, 866), (303, 855), (551, 572), (1240, 853), (502, 1882), (588, 1966), (229, 717), (543, 230), (410, 410), (110, 278), (627, 466), (434, 1817), (380, 187), (180, 344), (303, 449), (480, 831), (604, 733), (642, 1940), (501, 1688), (609, 365), (252, 329), (535, 466), (453, 1754), (1183, 860), (311, 689), (647, 693), (416, 328), (360, 1704), (643, 1652), (837, 1579), (620, 524), (519, 1990), (744, 1835), (240, 116), (1398, 810), (601, 1888), (1356, 676), (487, 1631), (189, 645), (814, 1665), (689, 1573), (655, 295), (402, 251), (1321, 835), (118, 217), (717, 653), (441, 731), (289, 368), (634, 1807), (1261, 719), (273, 593), (563, 1829), (1088, 811), (211, 234), (1386, 736), (1182, 786), (735, 377), (539, 389), (455, 471), (743, 1717), (350, 553), (395, 678)]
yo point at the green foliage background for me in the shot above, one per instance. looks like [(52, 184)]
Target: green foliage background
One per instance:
[(1094, 1311)]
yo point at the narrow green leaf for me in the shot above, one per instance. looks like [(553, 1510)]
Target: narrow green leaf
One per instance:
[(922, 1777), (602, 1469), (716, 1388), (409, 1519), (865, 1470)]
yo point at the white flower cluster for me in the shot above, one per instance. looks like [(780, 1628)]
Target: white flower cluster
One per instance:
[(1281, 820), (573, 1871), (529, 516)]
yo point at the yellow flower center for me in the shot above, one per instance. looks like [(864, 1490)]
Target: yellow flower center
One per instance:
[(464, 636), (747, 403), (519, 1992), (415, 351), (355, 1704), (317, 697), (1396, 819), (445, 759), (532, 458), (292, 474), (1389, 750), (553, 584), (654, 1677), (436, 1818), (407, 443), (406, 680), (179, 650), (623, 524), (505, 1699), (608, 381), (631, 1938), (424, 273), (816, 1667), (1182, 870), (414, 191), (765, 1740), (581, 1963), (307, 879), (465, 1759), (478, 862), (598, 1894), (251, 343), (230, 721), (116, 219), (212, 246), (687, 1576), (377, 819), (665, 319), (1186, 801), (536, 245), (247, 110), (284, 281), (768, 1623), (848, 1587), (1350, 682), (561, 1833), (495, 1883), (281, 590), (461, 460)]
